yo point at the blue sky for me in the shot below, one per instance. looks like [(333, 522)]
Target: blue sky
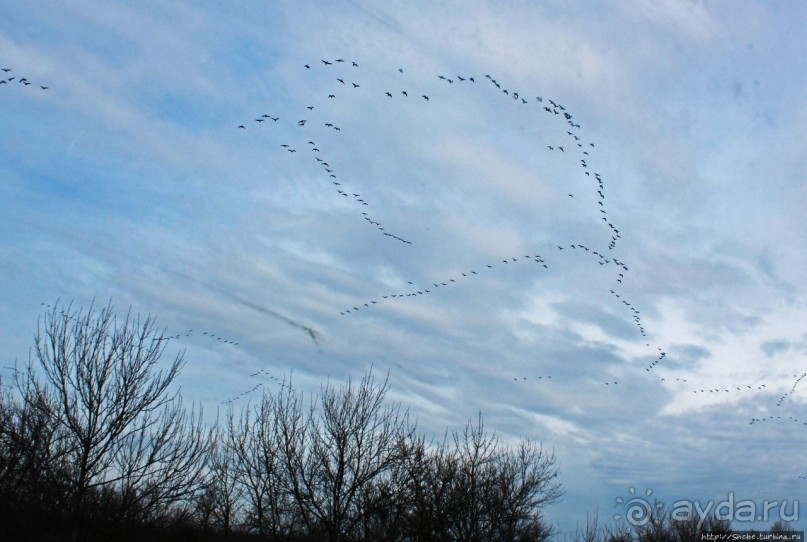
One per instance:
[(128, 178)]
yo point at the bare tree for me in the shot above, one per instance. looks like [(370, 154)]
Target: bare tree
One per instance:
[(661, 526), (477, 453), (431, 478), (161, 461), (223, 493), (32, 486), (118, 421), (524, 481), (471, 487), (252, 438), (595, 532), (333, 455)]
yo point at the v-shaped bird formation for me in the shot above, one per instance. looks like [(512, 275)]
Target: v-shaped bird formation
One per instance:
[(315, 134), (345, 80)]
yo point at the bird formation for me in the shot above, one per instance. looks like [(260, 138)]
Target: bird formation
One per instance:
[(313, 129), (205, 334), (547, 377), (554, 108), (278, 381), (347, 81), (189, 333), (792, 389), (779, 403), (12, 79), (727, 390), (772, 418), (572, 145), (656, 361), (471, 274), (242, 394), (326, 163)]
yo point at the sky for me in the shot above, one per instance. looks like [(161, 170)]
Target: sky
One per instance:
[(633, 301)]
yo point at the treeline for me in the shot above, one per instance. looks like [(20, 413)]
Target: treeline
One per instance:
[(95, 445), (660, 526)]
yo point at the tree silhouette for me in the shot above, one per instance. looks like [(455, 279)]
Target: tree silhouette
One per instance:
[(471, 487), (97, 380), (251, 437), (94, 445), (332, 455)]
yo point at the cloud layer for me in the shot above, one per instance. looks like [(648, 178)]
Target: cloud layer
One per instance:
[(129, 178)]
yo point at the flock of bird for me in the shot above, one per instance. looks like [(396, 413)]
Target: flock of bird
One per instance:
[(792, 388), (224, 341), (313, 128), (278, 381), (347, 78), (162, 337), (12, 79), (347, 81), (206, 334)]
